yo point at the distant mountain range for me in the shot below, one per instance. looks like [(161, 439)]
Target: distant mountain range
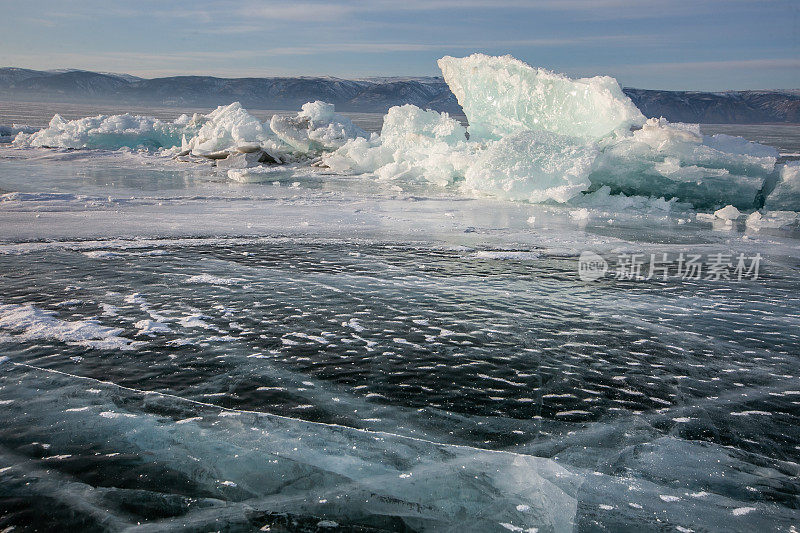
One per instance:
[(364, 94)]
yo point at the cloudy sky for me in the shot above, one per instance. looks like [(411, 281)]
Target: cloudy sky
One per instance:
[(697, 44)]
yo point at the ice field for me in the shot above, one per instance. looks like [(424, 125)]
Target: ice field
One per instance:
[(319, 322)]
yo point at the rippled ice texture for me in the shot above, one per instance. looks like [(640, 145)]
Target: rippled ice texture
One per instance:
[(332, 353)]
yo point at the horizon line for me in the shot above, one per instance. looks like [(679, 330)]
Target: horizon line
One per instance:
[(354, 78)]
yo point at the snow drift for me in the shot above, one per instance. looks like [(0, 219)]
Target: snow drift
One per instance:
[(533, 135)]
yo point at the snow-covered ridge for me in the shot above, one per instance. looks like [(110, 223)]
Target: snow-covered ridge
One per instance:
[(371, 94), (534, 136)]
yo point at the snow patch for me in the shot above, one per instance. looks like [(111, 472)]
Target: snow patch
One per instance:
[(31, 323)]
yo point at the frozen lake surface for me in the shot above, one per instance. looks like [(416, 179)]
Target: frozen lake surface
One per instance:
[(334, 353)]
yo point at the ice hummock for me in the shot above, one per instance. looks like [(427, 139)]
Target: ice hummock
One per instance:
[(227, 130), (414, 145), (537, 136), (315, 128), (659, 160), (677, 161), (106, 132), (8, 133), (533, 136)]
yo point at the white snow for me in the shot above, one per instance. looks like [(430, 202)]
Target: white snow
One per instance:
[(727, 213), (507, 254), (101, 254), (151, 327), (772, 220), (212, 279), (31, 323)]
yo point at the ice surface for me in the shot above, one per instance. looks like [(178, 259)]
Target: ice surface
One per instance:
[(503, 96), (786, 194), (738, 145), (283, 465), (448, 319)]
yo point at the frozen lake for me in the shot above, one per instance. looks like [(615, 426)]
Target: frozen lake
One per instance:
[(189, 353)]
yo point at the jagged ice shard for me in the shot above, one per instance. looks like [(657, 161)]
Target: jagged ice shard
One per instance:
[(786, 194), (677, 161), (502, 96)]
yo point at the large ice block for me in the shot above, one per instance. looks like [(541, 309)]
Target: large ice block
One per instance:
[(676, 161), (786, 195), (503, 96), (534, 166)]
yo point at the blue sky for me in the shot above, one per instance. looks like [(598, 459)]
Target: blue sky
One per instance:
[(709, 45)]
